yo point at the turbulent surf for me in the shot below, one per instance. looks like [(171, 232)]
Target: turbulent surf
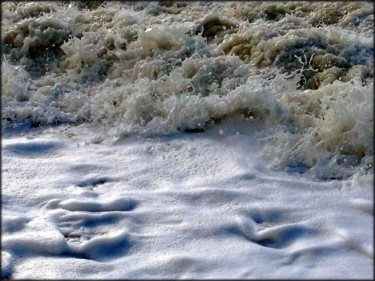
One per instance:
[(306, 70)]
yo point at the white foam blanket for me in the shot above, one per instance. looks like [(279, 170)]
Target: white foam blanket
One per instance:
[(202, 205)]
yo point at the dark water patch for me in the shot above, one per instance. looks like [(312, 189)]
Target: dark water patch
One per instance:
[(244, 177), (267, 216), (215, 26), (274, 12), (93, 181), (33, 149), (296, 167), (192, 130), (87, 168), (90, 5), (35, 44)]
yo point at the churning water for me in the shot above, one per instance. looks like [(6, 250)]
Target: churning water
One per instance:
[(305, 69)]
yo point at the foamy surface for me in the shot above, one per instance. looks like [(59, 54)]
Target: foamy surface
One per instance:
[(187, 140)]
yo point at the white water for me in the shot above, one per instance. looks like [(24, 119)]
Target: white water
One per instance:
[(200, 140)]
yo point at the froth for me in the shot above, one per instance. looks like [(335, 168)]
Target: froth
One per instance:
[(155, 68)]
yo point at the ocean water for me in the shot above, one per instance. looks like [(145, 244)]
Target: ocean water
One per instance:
[(303, 69), (187, 140)]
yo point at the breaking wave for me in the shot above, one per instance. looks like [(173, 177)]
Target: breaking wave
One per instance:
[(305, 69)]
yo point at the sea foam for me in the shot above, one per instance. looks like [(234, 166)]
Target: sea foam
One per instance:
[(149, 68)]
